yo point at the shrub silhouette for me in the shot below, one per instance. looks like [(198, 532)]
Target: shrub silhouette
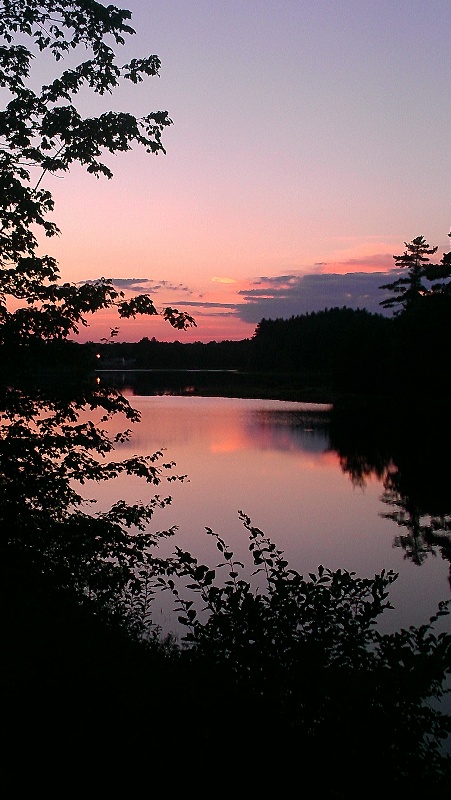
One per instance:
[(303, 661)]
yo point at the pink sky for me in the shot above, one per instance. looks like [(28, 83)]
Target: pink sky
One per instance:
[(310, 140)]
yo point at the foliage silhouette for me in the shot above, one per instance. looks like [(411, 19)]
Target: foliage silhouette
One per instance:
[(56, 423), (302, 660), (49, 441), (50, 448), (75, 602), (43, 132)]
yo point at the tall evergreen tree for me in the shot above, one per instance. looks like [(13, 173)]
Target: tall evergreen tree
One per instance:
[(410, 286)]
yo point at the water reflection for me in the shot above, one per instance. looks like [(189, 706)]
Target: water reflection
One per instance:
[(322, 488), (403, 457), (408, 459), (291, 429)]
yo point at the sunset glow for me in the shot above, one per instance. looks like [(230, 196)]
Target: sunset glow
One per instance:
[(309, 140)]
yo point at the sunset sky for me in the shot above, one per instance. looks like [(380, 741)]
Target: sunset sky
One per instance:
[(310, 140)]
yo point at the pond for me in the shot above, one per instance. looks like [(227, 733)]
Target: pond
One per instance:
[(289, 468)]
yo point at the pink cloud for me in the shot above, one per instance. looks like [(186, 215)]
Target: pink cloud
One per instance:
[(379, 262)]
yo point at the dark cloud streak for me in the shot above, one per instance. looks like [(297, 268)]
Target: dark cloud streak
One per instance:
[(287, 296)]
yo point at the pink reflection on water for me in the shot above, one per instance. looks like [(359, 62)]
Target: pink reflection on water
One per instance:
[(272, 461)]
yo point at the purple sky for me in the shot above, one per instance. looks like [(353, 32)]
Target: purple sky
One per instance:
[(311, 139)]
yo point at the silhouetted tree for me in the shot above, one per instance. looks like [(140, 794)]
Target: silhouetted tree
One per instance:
[(42, 131), (409, 288), (49, 444), (75, 584)]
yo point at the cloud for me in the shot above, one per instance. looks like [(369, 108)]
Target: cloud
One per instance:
[(209, 304), (145, 285), (284, 296), (203, 308), (209, 309), (379, 262)]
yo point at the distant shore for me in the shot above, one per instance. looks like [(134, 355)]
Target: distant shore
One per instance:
[(220, 382)]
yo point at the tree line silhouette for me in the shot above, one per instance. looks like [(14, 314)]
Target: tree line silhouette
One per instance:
[(342, 350)]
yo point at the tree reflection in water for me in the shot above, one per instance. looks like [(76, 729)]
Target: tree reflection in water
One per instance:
[(408, 459)]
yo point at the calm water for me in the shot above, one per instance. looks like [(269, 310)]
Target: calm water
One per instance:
[(274, 461)]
